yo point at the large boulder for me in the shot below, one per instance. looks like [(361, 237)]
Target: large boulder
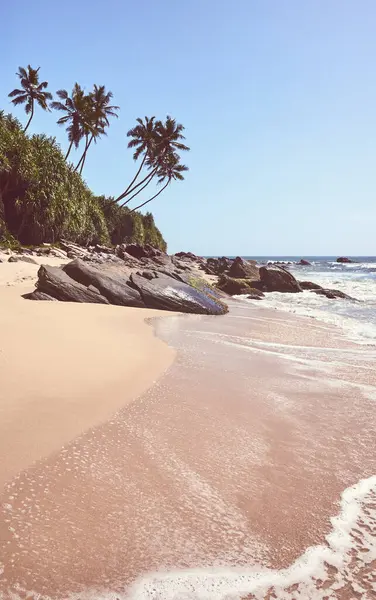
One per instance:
[(278, 279), (147, 251), (54, 282), (187, 255), (235, 287), (243, 269), (217, 266), (166, 293), (112, 282), (344, 259), (304, 263)]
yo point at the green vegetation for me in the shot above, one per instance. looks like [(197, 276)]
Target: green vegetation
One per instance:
[(43, 197)]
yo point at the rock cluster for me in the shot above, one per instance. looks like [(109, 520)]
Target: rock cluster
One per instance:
[(143, 276)]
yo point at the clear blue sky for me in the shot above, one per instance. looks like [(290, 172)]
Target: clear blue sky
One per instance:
[(278, 99)]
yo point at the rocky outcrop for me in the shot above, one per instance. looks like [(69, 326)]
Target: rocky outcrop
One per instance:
[(277, 279), (54, 282), (235, 287), (166, 293), (304, 263), (333, 294), (309, 285), (112, 283), (344, 259), (243, 269), (187, 255), (108, 283), (217, 266)]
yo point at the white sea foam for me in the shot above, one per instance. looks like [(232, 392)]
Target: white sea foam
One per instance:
[(343, 559), (357, 320)]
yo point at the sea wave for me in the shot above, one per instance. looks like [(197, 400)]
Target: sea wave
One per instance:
[(342, 562)]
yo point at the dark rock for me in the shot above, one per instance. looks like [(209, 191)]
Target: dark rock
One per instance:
[(55, 282), (22, 258), (187, 255), (309, 285), (166, 293), (146, 251), (255, 294), (304, 263), (217, 266), (234, 287), (242, 269), (333, 294), (147, 274), (38, 295), (278, 279), (344, 259), (111, 282)]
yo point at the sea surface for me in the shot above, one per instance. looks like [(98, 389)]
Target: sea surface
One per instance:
[(357, 279)]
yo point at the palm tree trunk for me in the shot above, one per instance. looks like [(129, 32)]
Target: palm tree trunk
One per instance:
[(69, 149), (83, 157), (126, 193), (137, 174), (152, 198), (31, 116), (136, 194)]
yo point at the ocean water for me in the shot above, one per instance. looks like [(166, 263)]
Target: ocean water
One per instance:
[(357, 279)]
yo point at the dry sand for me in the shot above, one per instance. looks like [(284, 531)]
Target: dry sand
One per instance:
[(65, 367)]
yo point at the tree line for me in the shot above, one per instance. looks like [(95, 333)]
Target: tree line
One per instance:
[(156, 143)]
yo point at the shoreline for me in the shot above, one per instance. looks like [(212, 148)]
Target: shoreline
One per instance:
[(245, 432), (66, 367), (184, 481)]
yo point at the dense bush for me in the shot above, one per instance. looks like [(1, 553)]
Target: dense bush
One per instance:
[(42, 199)]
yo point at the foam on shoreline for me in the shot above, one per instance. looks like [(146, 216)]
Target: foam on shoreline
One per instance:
[(321, 572)]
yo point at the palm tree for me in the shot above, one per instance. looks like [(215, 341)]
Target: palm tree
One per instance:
[(169, 169), (75, 109), (154, 140), (31, 92), (98, 113)]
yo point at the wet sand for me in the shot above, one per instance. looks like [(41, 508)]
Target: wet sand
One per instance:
[(216, 480)]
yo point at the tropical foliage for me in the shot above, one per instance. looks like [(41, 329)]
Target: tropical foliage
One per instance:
[(32, 92), (42, 199), (42, 196)]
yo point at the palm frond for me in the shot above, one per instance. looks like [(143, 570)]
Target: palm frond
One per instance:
[(20, 100), (15, 92), (62, 94), (58, 106)]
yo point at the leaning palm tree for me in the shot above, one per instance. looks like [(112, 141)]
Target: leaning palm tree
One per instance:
[(31, 92), (169, 169), (99, 111), (153, 140), (75, 109)]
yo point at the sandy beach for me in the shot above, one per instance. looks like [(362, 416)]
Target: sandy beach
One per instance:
[(215, 483), (65, 367)]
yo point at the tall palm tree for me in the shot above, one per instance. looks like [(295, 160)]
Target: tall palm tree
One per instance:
[(169, 169), (98, 112), (75, 108), (31, 92), (154, 140)]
